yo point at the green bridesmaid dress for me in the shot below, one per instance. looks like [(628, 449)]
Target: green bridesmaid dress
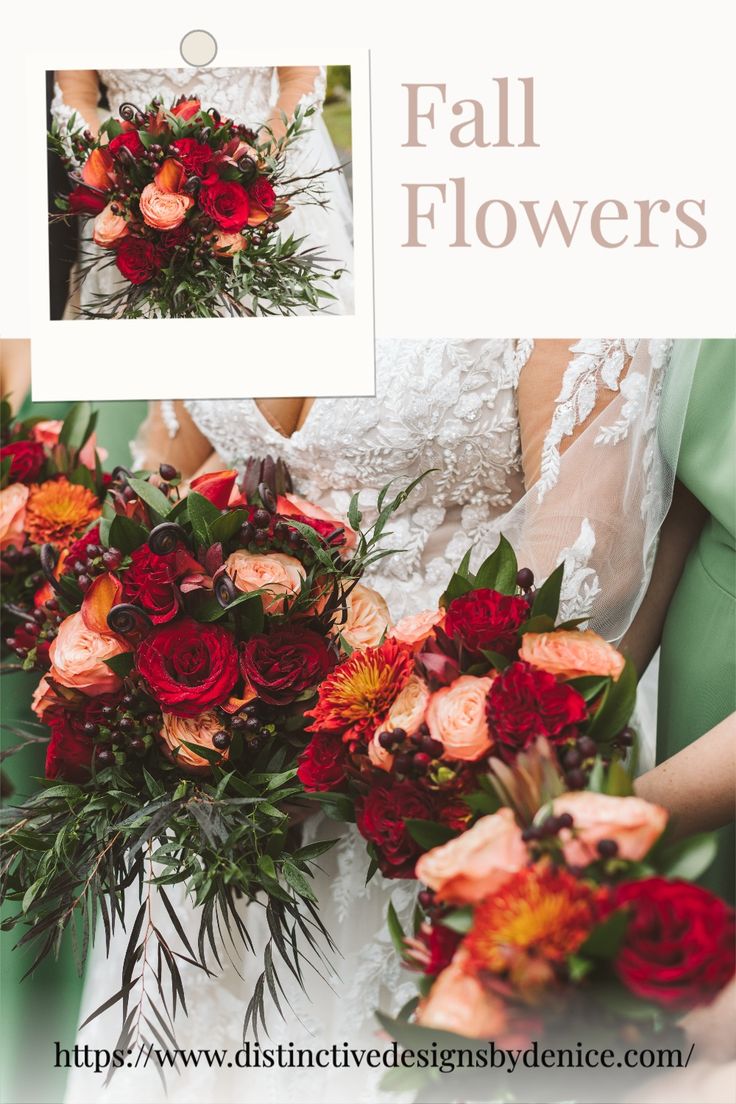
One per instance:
[(44, 1007), (697, 679)]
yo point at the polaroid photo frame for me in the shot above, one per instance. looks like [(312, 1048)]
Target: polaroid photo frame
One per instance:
[(198, 358)]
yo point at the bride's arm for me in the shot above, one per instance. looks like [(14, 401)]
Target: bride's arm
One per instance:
[(679, 533), (295, 82), (170, 436), (698, 785), (81, 91)]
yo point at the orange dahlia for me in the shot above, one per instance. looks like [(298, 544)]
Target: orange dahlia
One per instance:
[(540, 915), (360, 691), (59, 510)]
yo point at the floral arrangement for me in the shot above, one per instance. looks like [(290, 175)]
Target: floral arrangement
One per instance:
[(187, 206), (572, 920), (403, 731), (196, 629), (51, 491)]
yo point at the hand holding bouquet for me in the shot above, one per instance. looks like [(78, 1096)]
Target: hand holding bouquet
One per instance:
[(188, 205), (403, 731), (571, 927)]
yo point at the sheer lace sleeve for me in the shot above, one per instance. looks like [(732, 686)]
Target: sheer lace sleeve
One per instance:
[(598, 484), (76, 92)]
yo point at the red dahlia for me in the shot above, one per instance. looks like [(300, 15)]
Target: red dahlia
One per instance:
[(524, 703)]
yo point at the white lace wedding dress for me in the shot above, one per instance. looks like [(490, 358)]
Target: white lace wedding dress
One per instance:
[(246, 95), (452, 407)]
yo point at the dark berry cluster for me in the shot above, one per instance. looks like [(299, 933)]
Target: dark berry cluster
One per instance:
[(414, 755), (126, 727), (32, 638), (91, 561)]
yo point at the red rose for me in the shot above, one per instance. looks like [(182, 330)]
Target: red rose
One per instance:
[(261, 192), (138, 259), (284, 664), (381, 818), (524, 703), (129, 140), (226, 202), (679, 945), (26, 460), (189, 667), (69, 753), (438, 944), (486, 620), (322, 763), (85, 201), (195, 156), (150, 582)]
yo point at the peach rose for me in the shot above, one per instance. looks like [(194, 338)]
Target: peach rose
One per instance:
[(570, 653), (43, 698), (460, 1003), (456, 716), (279, 576), (163, 210), (194, 730), (368, 618), (78, 657), (109, 228), (227, 244), (407, 712), (416, 627), (47, 432), (633, 823), (13, 515), (476, 863)]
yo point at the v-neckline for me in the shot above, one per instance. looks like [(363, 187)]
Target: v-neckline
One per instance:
[(277, 434)]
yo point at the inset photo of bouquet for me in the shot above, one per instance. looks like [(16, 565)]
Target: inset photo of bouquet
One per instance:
[(199, 193)]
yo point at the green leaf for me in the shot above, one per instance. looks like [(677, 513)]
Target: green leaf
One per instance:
[(690, 858), (616, 707), (121, 664), (461, 920), (202, 514), (428, 833), (152, 496), (589, 686), (547, 599), (498, 572), (73, 433), (338, 806), (541, 624), (395, 929), (497, 661), (226, 525), (606, 938), (297, 881), (618, 780), (126, 535), (457, 586), (578, 967)]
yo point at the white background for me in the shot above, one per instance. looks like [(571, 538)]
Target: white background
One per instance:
[(633, 101)]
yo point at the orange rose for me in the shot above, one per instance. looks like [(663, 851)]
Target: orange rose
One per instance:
[(456, 716), (416, 627), (279, 576), (109, 227), (186, 109), (407, 712), (460, 1003), (163, 210), (227, 244), (368, 618), (570, 653), (78, 657), (13, 515), (633, 823), (291, 505), (98, 170), (476, 863), (193, 730)]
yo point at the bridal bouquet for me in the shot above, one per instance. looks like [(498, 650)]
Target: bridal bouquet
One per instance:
[(51, 491), (572, 922), (403, 731), (196, 631), (187, 206)]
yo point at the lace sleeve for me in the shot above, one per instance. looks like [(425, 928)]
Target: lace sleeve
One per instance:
[(598, 483)]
